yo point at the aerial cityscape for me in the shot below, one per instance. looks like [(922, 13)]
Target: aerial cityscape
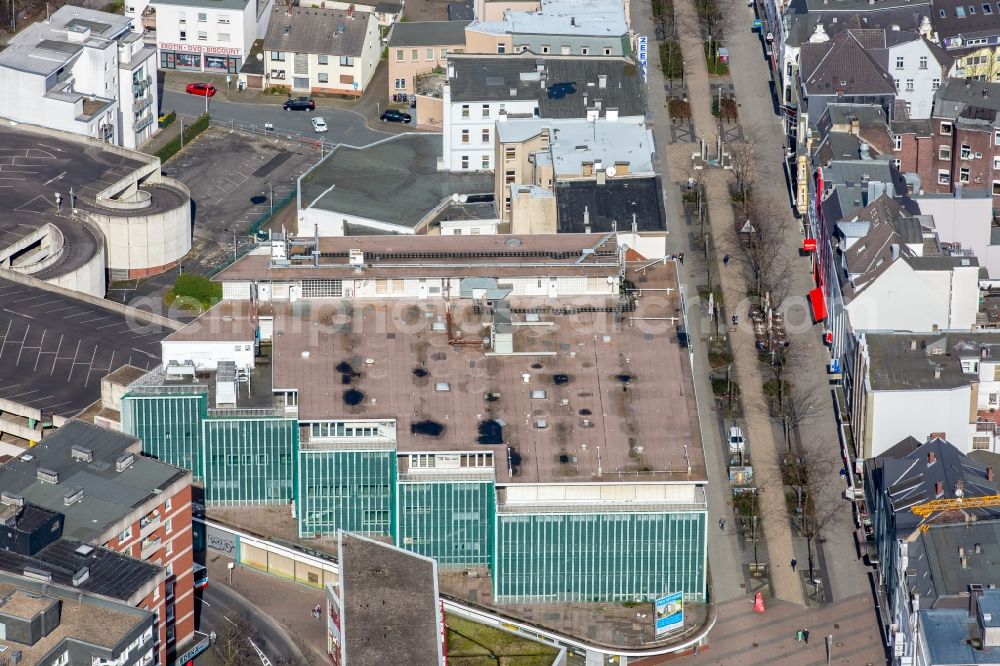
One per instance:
[(499, 332)]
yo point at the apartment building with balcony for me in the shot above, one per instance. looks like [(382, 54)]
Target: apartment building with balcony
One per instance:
[(111, 496), (82, 71), (203, 36), (310, 49), (418, 49)]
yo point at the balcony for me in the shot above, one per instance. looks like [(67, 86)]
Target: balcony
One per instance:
[(149, 546), (143, 104), (143, 123), (148, 523)]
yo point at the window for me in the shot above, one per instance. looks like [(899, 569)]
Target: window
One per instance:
[(501, 48), (486, 110), (168, 525), (414, 55), (346, 61), (169, 547), (444, 53), (509, 153), (399, 55), (996, 138), (942, 13), (607, 51), (987, 9), (509, 177), (545, 48), (963, 175), (126, 535), (486, 136), (62, 660), (935, 84), (486, 162), (564, 49), (923, 62), (323, 59), (465, 110), (400, 84), (167, 505), (897, 142), (183, 35), (202, 36), (465, 161), (981, 442), (156, 593), (996, 167), (899, 62), (996, 191), (278, 56), (993, 397), (202, 17), (944, 152), (169, 570), (584, 50), (223, 36), (972, 9), (944, 177), (324, 77), (946, 128), (465, 136), (909, 85), (429, 54), (897, 163), (224, 20), (959, 12), (966, 152)]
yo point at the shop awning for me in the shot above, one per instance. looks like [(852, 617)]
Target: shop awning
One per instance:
[(809, 244), (818, 304)]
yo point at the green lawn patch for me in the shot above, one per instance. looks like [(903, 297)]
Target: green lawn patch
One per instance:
[(194, 292), (474, 644), (715, 68)]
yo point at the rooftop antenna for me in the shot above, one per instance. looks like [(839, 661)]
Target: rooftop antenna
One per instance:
[(586, 219)]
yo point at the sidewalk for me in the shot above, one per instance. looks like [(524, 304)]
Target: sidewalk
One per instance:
[(289, 604)]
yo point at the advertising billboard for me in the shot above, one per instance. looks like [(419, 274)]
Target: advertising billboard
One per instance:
[(669, 613)]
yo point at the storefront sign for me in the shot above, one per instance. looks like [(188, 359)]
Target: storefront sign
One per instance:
[(198, 48)]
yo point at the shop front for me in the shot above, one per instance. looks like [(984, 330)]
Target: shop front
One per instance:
[(199, 58)]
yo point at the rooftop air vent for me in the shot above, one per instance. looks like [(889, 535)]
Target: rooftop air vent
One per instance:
[(37, 574), (7, 497), (73, 496), (81, 576), (47, 475), (82, 453), (123, 462), (83, 550)]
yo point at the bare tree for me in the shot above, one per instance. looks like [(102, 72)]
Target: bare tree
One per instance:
[(789, 403), (743, 161), (232, 643), (808, 473), (759, 237)]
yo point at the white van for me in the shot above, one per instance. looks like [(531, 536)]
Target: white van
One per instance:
[(736, 440)]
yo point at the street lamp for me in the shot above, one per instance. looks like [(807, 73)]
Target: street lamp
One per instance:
[(270, 189)]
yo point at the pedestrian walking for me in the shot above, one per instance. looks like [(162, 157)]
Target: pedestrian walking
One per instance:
[(798, 636), (805, 636), (722, 524), (725, 261), (794, 563)]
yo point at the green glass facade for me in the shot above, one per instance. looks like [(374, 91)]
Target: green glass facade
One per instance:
[(250, 460), (599, 556), (451, 521), (169, 427), (350, 490)]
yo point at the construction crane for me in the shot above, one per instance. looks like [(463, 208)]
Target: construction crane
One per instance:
[(929, 510)]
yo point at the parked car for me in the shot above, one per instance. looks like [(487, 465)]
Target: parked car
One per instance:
[(394, 116), (319, 124), (203, 89), (736, 441), (299, 104)]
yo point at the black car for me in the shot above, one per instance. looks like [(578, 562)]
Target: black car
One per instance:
[(299, 104), (394, 116)]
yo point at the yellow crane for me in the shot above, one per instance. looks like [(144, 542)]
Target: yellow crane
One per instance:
[(928, 510)]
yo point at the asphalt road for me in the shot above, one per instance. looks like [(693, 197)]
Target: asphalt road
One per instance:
[(345, 126), (218, 603)]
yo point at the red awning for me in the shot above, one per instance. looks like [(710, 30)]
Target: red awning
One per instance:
[(818, 304), (809, 244)]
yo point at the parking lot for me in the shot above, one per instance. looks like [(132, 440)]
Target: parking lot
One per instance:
[(234, 179)]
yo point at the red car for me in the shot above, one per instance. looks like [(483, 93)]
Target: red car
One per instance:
[(203, 89)]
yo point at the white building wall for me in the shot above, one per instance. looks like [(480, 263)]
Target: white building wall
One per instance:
[(920, 95), (137, 111), (331, 223), (896, 415), (230, 32), (476, 150), (947, 300), (965, 220)]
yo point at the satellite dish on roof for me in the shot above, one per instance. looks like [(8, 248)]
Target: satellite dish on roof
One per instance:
[(260, 56), (611, 171), (454, 197)]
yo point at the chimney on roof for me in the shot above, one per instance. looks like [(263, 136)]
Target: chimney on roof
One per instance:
[(959, 488), (989, 473), (939, 489), (350, 11), (937, 372), (931, 458), (572, 21)]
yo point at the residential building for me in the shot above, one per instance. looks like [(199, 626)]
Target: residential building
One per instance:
[(448, 471), (385, 13), (843, 70), (321, 50), (945, 383), (963, 222), (579, 176), (495, 10), (970, 33), (563, 27), (393, 186), (42, 623), (483, 90), (928, 559), (406, 584), (111, 496), (421, 48), (215, 37), (954, 636), (81, 71)]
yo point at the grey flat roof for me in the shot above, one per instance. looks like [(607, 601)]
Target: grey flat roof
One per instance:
[(427, 33), (491, 79), (614, 202), (575, 18), (112, 574), (390, 600), (894, 366), (395, 181), (22, 52), (205, 4), (947, 632), (108, 495), (54, 349), (314, 30)]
